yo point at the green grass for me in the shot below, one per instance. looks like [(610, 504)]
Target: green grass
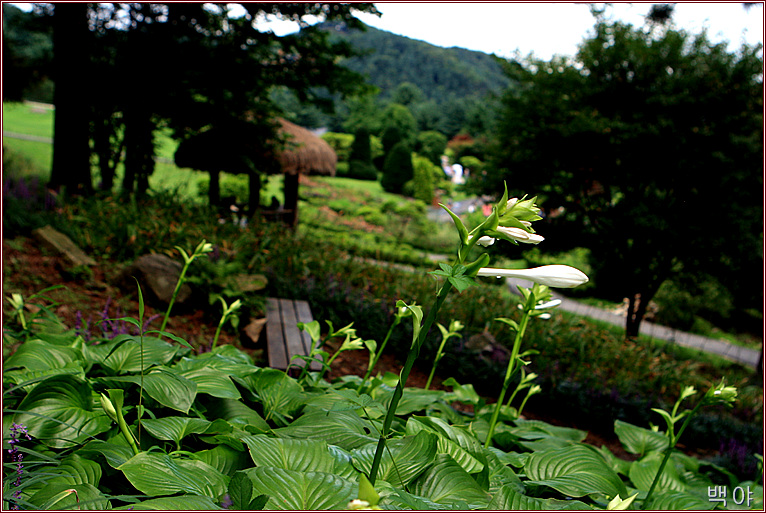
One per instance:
[(23, 118), (39, 154)]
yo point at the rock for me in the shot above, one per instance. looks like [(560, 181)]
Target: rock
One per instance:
[(249, 282), (63, 245), (157, 274)]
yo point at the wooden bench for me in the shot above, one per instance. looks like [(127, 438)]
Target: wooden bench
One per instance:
[(283, 338)]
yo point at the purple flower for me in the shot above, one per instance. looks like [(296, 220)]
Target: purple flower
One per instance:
[(17, 430), (226, 503)]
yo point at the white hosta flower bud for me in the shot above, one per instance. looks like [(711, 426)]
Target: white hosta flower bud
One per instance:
[(520, 235), (550, 304), (560, 276)]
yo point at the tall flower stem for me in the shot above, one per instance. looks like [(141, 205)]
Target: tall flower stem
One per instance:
[(379, 353), (509, 372), (399, 390)]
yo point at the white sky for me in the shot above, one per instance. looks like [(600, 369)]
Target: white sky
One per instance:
[(547, 28), (544, 28)]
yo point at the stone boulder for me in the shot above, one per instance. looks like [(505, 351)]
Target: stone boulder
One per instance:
[(157, 274), (63, 245)]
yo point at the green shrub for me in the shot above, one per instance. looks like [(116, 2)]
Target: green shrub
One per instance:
[(397, 169), (342, 169), (423, 179), (341, 143), (232, 186), (431, 144), (362, 170)]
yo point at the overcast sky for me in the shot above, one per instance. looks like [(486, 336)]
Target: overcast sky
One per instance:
[(551, 28), (548, 28)]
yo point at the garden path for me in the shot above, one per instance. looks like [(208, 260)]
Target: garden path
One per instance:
[(727, 350), (709, 345)]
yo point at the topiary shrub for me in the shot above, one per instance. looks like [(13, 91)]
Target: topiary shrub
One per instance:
[(397, 169), (362, 170), (423, 179)]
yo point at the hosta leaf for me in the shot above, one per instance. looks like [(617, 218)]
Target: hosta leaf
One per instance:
[(509, 499), (159, 474), (59, 412), (224, 459), (281, 395), (292, 490), (638, 440), (174, 428), (344, 429), (446, 482), (413, 400), (166, 388), (675, 500), (127, 358), (291, 454), (36, 355), (29, 378), (501, 474), (115, 453), (537, 429), (642, 474), (212, 381), (576, 471), (183, 503), (453, 440), (88, 497), (237, 413), (619, 465), (411, 456)]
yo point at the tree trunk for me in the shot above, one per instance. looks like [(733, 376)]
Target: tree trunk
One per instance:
[(139, 150), (214, 190), (71, 134), (291, 198), (254, 197)]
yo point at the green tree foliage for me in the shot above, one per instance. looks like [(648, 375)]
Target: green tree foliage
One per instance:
[(207, 70), (431, 144), (407, 94), (341, 143), (27, 53), (652, 142), (424, 179), (360, 165), (397, 169), (399, 117)]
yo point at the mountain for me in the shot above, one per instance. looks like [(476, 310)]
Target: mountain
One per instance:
[(441, 73)]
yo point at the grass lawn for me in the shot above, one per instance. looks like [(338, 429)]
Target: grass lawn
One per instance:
[(22, 118)]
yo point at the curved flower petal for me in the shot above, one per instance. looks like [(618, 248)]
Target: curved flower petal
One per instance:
[(561, 276)]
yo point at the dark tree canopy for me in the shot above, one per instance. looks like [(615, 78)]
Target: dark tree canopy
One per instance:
[(652, 142)]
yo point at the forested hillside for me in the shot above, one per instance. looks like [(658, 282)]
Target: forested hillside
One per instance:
[(441, 73)]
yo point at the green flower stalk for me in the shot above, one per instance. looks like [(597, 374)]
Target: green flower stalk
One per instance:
[(201, 249), (720, 394), (400, 314), (454, 328), (112, 406), (227, 311)]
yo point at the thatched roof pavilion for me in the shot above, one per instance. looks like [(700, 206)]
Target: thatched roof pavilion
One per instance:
[(215, 150)]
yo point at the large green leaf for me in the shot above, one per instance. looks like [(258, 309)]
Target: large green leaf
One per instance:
[(72, 470), (411, 456), (509, 499), (36, 355), (446, 482), (165, 387), (281, 395), (500, 474), (59, 496), (642, 474), (226, 362), (115, 453), (183, 503), (453, 440), (536, 435), (212, 381), (237, 413), (292, 454), (675, 501), (28, 378), (175, 428), (224, 459), (576, 471), (344, 429), (293, 490), (159, 474), (59, 412), (413, 400), (127, 357), (638, 440)]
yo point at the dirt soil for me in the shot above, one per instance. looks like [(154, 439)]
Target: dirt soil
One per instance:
[(27, 269)]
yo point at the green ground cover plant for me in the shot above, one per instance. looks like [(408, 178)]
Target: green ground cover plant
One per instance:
[(140, 422)]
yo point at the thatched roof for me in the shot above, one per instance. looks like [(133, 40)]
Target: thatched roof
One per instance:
[(305, 153), (216, 150)]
